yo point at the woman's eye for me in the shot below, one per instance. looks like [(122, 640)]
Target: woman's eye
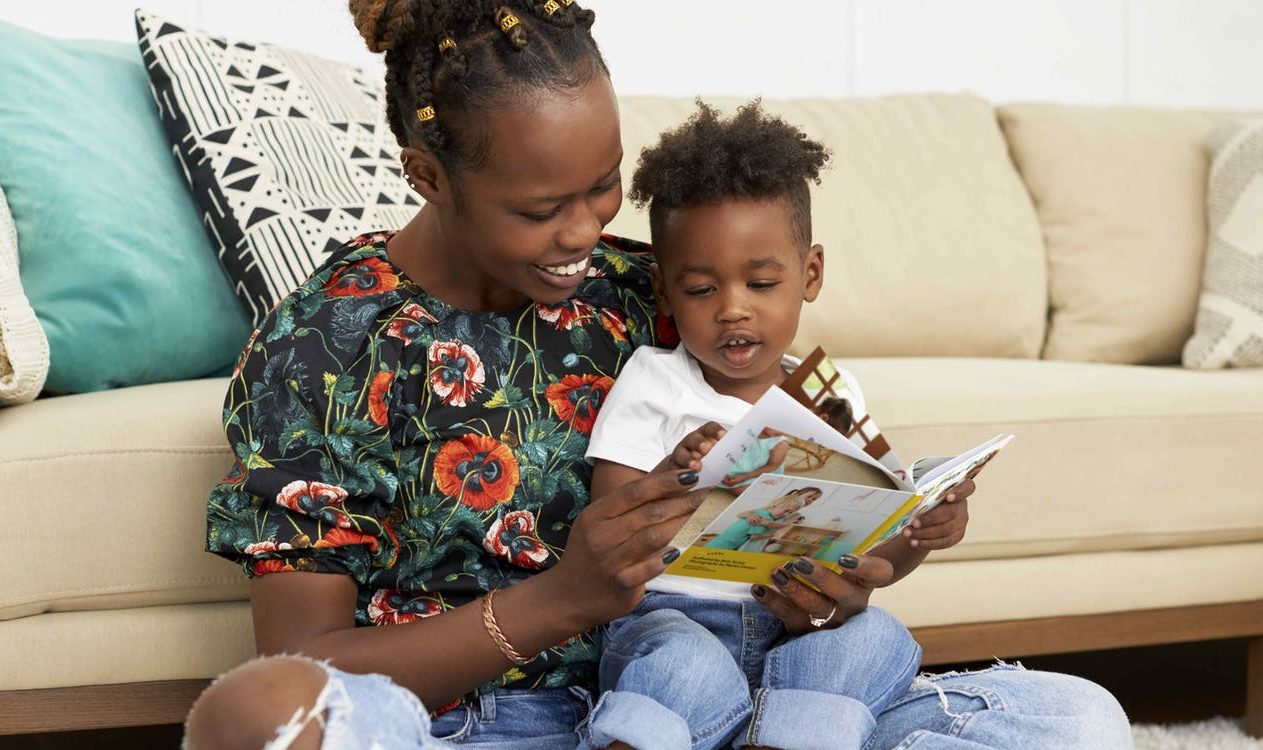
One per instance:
[(613, 185), (542, 217)]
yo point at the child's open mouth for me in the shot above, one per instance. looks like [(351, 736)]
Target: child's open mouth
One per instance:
[(739, 351)]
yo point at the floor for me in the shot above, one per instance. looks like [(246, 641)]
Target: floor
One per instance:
[(1161, 684)]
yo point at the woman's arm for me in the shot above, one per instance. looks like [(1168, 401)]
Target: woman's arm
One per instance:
[(615, 546)]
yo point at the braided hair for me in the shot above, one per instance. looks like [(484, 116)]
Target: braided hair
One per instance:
[(709, 159), (449, 59)]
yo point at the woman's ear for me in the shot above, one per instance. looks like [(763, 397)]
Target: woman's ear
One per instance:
[(813, 272), (659, 289), (426, 175)]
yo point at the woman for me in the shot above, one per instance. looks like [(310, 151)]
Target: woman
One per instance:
[(410, 426)]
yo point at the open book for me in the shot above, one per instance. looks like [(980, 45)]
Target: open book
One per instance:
[(785, 484)]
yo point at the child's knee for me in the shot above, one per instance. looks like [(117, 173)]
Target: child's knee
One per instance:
[(246, 706), (664, 647)]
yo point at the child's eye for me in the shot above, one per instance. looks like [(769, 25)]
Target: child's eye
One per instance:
[(699, 291), (762, 286), (545, 216)]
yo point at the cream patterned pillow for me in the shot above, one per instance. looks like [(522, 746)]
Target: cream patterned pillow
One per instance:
[(1229, 328), (23, 348)]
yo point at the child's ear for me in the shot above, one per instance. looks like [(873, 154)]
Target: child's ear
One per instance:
[(426, 175), (813, 271), (659, 289)]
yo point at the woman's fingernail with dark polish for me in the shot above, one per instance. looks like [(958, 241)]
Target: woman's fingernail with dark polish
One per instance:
[(758, 591), (687, 477), (802, 566), (779, 577), (850, 562), (670, 556)]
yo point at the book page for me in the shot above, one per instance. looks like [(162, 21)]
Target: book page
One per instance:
[(777, 412), (780, 517)]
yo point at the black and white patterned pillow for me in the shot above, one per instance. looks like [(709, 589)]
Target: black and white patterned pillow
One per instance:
[(288, 155)]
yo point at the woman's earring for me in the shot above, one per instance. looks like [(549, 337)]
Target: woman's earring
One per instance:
[(407, 176)]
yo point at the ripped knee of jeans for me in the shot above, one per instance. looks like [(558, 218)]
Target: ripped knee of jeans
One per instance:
[(931, 681), (331, 701)]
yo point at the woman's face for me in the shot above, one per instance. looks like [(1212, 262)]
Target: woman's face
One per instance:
[(524, 224)]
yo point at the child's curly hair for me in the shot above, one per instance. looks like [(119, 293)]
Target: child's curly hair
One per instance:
[(709, 159)]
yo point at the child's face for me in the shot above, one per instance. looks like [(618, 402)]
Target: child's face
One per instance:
[(735, 279)]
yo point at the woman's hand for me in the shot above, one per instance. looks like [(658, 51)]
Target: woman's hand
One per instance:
[(944, 525), (839, 595), (619, 542)]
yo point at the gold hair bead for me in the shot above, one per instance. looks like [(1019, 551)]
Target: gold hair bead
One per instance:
[(551, 7), (567, 3), (446, 43), (508, 21), (425, 114)]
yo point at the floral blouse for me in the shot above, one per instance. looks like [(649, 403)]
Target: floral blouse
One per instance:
[(430, 453)]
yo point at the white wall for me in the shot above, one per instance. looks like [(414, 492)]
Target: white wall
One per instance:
[(1195, 53)]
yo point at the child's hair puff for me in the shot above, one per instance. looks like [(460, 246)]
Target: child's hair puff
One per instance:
[(709, 159)]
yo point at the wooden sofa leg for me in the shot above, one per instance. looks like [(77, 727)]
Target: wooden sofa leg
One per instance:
[(1254, 687)]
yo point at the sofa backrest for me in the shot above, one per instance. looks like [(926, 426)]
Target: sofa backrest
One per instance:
[(954, 228), (932, 245)]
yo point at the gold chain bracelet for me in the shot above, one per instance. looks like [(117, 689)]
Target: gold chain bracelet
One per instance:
[(497, 635)]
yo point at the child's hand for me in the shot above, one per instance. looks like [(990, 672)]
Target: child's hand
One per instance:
[(944, 525), (695, 445)]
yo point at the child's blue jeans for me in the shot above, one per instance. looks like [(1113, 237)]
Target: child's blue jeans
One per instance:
[(683, 672)]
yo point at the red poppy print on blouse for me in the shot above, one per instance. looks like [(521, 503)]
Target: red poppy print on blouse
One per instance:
[(363, 278), (578, 398), (315, 499), (477, 470), (456, 372), (340, 537), (513, 538), (566, 315), (410, 323), (394, 607), (378, 390)]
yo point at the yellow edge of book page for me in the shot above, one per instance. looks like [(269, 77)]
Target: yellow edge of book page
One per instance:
[(886, 525), (731, 565)]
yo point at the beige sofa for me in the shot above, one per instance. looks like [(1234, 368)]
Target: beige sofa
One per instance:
[(1031, 269)]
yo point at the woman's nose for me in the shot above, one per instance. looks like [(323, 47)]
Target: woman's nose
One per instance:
[(581, 230)]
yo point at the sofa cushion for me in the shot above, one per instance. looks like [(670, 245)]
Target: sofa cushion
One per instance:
[(288, 154), (1229, 326), (1121, 196), (1106, 457), (931, 242), (115, 263), (109, 492)]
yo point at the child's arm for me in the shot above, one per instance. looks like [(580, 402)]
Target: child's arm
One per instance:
[(939, 528), (606, 475)]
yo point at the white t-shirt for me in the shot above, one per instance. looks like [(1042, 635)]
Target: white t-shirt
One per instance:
[(661, 396)]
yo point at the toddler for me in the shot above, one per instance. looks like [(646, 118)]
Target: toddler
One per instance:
[(729, 211)]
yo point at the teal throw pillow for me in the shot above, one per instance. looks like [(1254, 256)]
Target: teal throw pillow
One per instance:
[(114, 258)]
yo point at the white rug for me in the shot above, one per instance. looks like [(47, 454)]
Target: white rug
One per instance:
[(1213, 734)]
